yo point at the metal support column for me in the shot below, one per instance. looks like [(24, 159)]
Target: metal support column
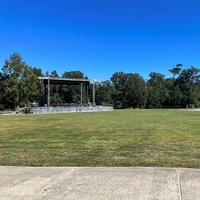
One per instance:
[(42, 87), (86, 93), (45, 93), (93, 92), (81, 93)]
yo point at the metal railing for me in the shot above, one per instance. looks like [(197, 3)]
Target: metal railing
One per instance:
[(43, 110)]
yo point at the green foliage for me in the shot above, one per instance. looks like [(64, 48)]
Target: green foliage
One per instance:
[(174, 92), (71, 93), (188, 82), (19, 82), (103, 91), (176, 70), (55, 90), (13, 71), (128, 90), (19, 85), (156, 90)]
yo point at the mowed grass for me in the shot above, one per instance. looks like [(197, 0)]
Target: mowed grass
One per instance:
[(165, 138)]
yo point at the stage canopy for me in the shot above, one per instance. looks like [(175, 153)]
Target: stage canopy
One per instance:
[(65, 81), (47, 81)]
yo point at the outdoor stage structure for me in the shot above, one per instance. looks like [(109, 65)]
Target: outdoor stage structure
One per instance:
[(45, 105)]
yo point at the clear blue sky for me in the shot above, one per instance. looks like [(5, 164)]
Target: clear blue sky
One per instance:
[(100, 37)]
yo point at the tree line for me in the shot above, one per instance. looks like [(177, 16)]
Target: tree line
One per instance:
[(20, 86)]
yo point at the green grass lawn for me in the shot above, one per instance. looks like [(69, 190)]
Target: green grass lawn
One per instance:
[(165, 138)]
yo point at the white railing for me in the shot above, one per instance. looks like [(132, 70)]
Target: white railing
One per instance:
[(43, 110)]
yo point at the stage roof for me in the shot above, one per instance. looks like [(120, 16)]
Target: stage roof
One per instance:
[(65, 81)]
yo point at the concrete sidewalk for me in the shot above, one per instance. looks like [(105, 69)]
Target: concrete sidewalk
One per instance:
[(99, 183)]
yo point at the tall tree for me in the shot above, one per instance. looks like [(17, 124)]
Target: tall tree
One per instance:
[(20, 82), (189, 81), (175, 92), (118, 88), (128, 90), (30, 85), (13, 70), (103, 91), (157, 92), (2, 92), (176, 70)]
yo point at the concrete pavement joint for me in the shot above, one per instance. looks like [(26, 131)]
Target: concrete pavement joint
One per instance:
[(179, 184), (62, 176)]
